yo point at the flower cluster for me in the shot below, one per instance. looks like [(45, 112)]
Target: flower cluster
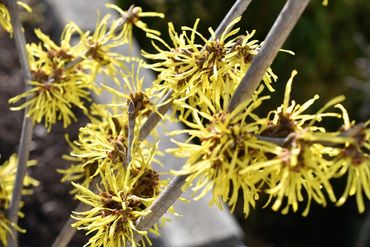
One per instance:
[(108, 148), (5, 16), (213, 69), (281, 155), (286, 154), (124, 197), (7, 177), (62, 75)]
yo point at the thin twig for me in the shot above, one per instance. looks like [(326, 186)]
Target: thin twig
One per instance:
[(27, 128), (154, 118), (68, 231), (279, 32), (131, 112), (278, 141)]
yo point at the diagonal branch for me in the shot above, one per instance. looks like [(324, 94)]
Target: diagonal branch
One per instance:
[(27, 128), (154, 118), (167, 198), (236, 10), (279, 32)]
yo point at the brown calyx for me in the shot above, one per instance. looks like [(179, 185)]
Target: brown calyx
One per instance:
[(146, 186), (119, 150)]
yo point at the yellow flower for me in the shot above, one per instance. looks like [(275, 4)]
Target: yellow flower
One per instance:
[(214, 68), (123, 198), (133, 18), (291, 118), (51, 98), (144, 100), (353, 160), (5, 17), (55, 90), (299, 166), (228, 145), (301, 162), (99, 47), (105, 144), (82, 170), (58, 56), (7, 176)]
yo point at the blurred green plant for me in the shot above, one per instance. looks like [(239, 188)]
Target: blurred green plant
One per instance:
[(322, 39)]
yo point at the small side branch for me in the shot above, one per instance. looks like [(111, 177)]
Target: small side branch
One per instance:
[(131, 128), (275, 39), (154, 118)]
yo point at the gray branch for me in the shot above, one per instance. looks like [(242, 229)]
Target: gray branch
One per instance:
[(159, 207), (279, 32), (27, 128)]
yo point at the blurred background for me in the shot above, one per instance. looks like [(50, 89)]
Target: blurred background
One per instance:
[(332, 58)]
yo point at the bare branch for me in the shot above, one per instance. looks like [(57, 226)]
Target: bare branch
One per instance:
[(363, 236), (27, 128), (68, 231), (279, 32), (236, 10)]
